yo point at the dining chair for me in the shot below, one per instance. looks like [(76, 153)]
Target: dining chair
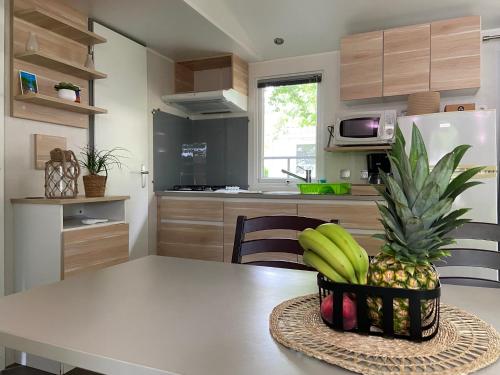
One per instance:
[(244, 247), (473, 257)]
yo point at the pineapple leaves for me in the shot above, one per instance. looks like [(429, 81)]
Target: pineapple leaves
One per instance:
[(442, 172), (420, 173), (379, 236), (454, 215), (417, 151), (428, 197), (417, 215), (459, 190), (436, 211), (460, 180), (458, 154)]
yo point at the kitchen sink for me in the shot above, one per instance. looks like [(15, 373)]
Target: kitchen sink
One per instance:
[(281, 192)]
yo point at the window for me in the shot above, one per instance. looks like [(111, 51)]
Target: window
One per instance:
[(288, 126)]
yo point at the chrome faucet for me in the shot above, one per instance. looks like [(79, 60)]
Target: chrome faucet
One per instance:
[(306, 179)]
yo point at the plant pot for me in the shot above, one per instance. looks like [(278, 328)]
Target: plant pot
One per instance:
[(67, 94), (95, 185)]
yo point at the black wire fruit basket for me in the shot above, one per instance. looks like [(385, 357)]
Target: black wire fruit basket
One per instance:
[(418, 310)]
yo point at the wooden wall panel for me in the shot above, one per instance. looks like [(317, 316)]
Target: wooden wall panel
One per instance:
[(361, 66), (188, 72), (456, 53), (406, 60), (57, 7), (184, 79), (55, 45), (43, 145), (240, 75)]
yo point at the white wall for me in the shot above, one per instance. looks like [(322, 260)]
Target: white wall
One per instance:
[(22, 179), (160, 82), (2, 161), (329, 103), (124, 94)]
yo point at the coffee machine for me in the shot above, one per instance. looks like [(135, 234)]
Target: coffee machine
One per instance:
[(374, 163)]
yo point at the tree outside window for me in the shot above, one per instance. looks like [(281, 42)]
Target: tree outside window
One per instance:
[(290, 123)]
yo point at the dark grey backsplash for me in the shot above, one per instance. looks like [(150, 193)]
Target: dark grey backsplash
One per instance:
[(199, 152)]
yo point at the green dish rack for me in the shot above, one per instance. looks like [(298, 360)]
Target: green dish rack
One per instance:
[(325, 188)]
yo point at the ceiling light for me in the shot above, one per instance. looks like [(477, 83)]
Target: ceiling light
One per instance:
[(279, 41)]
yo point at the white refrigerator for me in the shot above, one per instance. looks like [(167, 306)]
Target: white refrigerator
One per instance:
[(444, 131)]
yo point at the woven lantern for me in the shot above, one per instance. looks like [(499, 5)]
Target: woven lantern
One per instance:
[(61, 174)]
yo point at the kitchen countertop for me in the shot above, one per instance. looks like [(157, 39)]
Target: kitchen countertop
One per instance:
[(159, 315), (259, 195), (78, 200)]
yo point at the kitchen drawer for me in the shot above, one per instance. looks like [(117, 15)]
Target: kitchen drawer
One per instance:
[(191, 240), (254, 209), (94, 248), (190, 209), (359, 215)]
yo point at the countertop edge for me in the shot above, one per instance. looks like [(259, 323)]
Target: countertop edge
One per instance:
[(208, 194), (77, 200)]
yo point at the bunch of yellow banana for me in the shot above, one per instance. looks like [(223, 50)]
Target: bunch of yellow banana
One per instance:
[(332, 251)]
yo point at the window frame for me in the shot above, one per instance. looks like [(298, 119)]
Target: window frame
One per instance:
[(259, 179)]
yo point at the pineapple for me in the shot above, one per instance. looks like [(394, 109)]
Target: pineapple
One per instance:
[(416, 220)]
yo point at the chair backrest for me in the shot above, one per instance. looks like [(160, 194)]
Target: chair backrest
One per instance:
[(473, 257), (281, 245)]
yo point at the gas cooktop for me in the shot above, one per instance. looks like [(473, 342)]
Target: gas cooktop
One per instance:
[(198, 187)]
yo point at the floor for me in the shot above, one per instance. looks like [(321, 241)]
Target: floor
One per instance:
[(23, 370)]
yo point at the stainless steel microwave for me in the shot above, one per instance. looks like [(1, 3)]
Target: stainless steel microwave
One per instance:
[(366, 128)]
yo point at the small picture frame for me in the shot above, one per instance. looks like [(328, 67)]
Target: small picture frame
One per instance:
[(28, 82)]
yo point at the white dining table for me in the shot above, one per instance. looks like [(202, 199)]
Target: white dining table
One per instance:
[(160, 315)]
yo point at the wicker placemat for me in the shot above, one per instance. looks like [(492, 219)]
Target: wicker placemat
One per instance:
[(463, 344)]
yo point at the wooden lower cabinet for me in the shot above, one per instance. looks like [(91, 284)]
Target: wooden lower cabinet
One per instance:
[(370, 244), (198, 238), (94, 248), (351, 215), (253, 209), (190, 209), (191, 240)]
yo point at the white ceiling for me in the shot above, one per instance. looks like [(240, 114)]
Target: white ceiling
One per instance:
[(170, 27), (196, 28)]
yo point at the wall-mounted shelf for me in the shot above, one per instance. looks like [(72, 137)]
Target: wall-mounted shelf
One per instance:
[(357, 148), (59, 25), (52, 62), (50, 101)]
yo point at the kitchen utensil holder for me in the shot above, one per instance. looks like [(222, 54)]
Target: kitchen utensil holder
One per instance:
[(419, 330)]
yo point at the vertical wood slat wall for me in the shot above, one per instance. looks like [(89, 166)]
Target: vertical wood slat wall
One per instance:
[(55, 45)]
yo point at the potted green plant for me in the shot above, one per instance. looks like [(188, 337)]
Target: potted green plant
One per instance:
[(97, 162), (67, 91)]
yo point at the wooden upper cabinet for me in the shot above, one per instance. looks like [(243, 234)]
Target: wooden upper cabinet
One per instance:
[(406, 60), (361, 66), (213, 73), (456, 53)]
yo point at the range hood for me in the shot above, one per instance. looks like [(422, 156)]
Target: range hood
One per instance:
[(208, 102)]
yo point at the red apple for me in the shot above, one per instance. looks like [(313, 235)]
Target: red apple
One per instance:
[(348, 311)]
